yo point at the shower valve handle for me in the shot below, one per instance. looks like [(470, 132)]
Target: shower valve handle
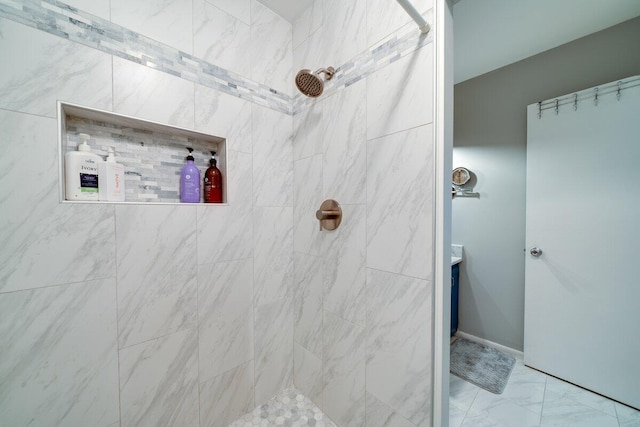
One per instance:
[(329, 215)]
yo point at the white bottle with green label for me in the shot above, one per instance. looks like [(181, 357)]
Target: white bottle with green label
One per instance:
[(81, 172)]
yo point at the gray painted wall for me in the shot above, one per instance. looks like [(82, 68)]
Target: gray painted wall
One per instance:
[(490, 133)]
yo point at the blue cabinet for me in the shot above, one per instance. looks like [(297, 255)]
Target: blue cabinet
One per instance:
[(455, 288)]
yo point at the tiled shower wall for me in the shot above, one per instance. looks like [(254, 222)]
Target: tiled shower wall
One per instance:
[(132, 314), (165, 315), (363, 293)]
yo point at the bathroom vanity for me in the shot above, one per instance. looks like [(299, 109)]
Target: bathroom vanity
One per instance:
[(456, 259)]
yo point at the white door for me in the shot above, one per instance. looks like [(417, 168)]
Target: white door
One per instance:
[(582, 293)]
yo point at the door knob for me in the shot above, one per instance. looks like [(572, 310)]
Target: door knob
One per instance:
[(536, 252)]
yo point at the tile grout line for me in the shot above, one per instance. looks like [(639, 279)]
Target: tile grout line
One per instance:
[(115, 250)]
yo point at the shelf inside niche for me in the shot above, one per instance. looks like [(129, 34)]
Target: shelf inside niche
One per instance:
[(152, 153)]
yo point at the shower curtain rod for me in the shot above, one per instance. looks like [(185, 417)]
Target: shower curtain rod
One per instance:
[(411, 10)]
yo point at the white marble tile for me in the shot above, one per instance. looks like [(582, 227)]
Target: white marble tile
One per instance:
[(272, 254), (239, 181), (399, 202), (273, 348), (225, 316), (167, 21), (399, 343), (308, 302), (240, 9), (55, 243), (562, 389), (271, 49), (385, 17), (345, 145), (461, 393), (224, 115), (39, 68), (307, 373), (272, 158), (99, 8), (226, 397), (484, 420), (150, 94), (159, 381), (344, 274), (456, 416), (25, 136), (226, 232), (309, 132), (491, 409), (311, 54), (629, 423), (525, 388), (627, 416), (221, 39), (344, 371), (381, 415), (157, 287), (308, 22), (400, 95), (307, 237), (344, 28), (561, 410), (58, 359)]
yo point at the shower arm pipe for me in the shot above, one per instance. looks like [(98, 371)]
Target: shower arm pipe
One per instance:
[(415, 15)]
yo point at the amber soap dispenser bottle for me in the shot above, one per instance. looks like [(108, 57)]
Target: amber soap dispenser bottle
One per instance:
[(213, 182)]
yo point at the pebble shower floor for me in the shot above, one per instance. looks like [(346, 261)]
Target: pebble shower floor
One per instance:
[(290, 408)]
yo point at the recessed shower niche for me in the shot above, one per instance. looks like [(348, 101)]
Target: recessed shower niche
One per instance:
[(152, 154)]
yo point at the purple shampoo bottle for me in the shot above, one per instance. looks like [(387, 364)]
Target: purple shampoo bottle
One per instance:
[(190, 181)]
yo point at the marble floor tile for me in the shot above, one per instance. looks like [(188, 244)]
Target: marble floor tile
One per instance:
[(627, 417), (488, 406), (526, 388), (289, 408), (559, 388), (531, 395), (461, 393), (563, 411), (456, 415)]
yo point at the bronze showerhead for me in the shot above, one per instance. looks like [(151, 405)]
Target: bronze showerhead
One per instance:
[(310, 83)]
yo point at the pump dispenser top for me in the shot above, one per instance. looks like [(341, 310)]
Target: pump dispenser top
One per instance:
[(83, 146), (111, 155)]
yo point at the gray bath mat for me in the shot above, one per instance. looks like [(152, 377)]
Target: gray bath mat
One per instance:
[(481, 365)]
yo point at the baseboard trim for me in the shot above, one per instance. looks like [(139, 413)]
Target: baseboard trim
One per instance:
[(516, 353)]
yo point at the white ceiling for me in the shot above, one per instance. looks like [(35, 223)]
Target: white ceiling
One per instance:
[(489, 34)]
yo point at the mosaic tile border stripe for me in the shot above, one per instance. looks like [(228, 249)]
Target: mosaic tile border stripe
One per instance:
[(403, 42), (62, 20), (68, 22)]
